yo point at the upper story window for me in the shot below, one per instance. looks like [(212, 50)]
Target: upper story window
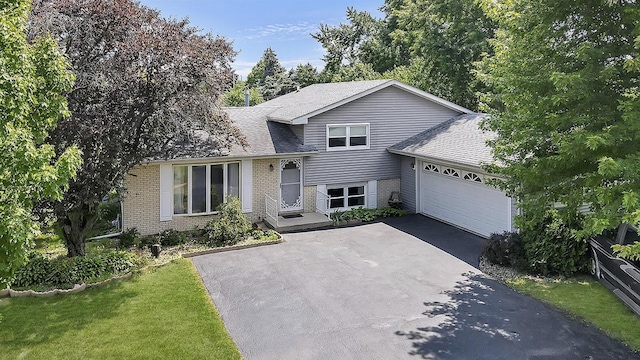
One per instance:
[(347, 137), (200, 189)]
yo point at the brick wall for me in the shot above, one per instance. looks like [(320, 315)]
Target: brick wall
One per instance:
[(142, 199), (309, 199), (265, 182), (385, 187), (141, 205)]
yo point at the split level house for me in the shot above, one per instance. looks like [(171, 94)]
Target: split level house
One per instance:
[(329, 147)]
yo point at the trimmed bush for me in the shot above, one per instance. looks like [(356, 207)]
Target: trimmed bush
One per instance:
[(551, 247), (230, 227), (39, 272), (505, 249)]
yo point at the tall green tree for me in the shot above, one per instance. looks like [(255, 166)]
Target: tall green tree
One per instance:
[(565, 104), (143, 83), (304, 75), (33, 78), (362, 40), (271, 78), (267, 66), (444, 38), (234, 97)]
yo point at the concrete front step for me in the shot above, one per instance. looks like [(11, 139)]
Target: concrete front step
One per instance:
[(304, 222)]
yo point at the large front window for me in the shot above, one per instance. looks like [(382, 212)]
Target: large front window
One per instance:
[(340, 137), (200, 189), (346, 196)]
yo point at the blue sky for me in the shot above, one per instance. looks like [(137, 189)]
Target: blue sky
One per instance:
[(254, 25)]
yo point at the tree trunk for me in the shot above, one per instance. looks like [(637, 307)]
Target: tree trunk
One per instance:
[(75, 227)]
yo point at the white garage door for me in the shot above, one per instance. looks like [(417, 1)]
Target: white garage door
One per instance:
[(462, 199)]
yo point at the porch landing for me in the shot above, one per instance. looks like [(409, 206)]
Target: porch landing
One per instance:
[(306, 221)]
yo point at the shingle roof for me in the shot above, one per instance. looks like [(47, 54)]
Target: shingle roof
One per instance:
[(459, 139), (317, 98), (314, 97), (264, 137)]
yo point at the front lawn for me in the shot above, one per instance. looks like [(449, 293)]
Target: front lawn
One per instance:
[(164, 313), (588, 299)]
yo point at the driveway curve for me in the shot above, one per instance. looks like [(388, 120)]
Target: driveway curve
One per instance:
[(405, 288)]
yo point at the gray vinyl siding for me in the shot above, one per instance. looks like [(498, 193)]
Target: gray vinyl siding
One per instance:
[(408, 183), (393, 115), (299, 131)]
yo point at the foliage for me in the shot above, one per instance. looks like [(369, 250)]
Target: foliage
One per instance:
[(43, 273), (172, 237), (136, 318), (230, 226), (364, 214), (234, 97), (631, 251), (304, 75), (33, 78), (143, 85), (429, 44), (129, 238), (586, 298), (352, 72), (270, 79), (565, 109), (505, 249), (444, 38), (551, 246), (267, 66), (264, 235), (363, 40)]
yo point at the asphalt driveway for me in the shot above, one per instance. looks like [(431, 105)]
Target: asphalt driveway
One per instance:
[(406, 288)]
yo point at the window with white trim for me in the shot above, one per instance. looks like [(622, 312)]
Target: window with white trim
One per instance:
[(347, 137), (200, 189), (346, 196), (472, 177), (451, 172), (432, 168)]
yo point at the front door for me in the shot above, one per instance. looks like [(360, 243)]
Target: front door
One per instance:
[(290, 184)]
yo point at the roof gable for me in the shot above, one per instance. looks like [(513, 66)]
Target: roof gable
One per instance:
[(297, 107)]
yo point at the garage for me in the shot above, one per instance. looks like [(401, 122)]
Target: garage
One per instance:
[(462, 198)]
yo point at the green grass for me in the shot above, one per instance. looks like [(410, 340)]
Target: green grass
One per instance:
[(162, 314), (589, 300)]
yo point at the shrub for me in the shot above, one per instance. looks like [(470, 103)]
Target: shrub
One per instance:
[(172, 237), (230, 227), (551, 247), (41, 273), (505, 249), (264, 235), (147, 241), (366, 215), (129, 238)]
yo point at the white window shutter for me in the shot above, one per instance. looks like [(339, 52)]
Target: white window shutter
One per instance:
[(247, 186), (166, 192), (321, 199), (372, 194)]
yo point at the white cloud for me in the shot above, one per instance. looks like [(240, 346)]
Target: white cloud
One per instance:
[(280, 31)]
